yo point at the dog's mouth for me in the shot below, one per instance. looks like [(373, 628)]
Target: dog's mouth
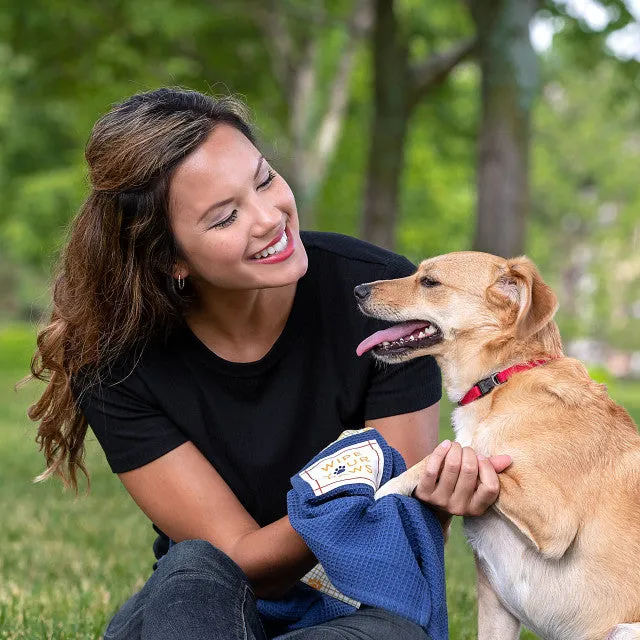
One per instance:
[(401, 339)]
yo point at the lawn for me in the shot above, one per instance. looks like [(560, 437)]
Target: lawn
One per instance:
[(66, 563)]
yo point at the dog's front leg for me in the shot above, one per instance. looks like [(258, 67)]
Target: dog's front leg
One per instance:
[(405, 483), (494, 621)]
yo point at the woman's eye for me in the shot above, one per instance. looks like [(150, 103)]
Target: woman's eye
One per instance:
[(234, 214), (227, 221), (270, 176), (428, 283)]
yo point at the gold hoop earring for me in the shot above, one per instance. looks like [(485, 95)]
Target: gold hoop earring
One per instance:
[(180, 282)]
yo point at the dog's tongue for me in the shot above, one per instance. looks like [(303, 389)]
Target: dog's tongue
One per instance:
[(389, 335)]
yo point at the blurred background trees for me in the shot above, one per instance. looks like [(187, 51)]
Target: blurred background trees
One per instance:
[(503, 125)]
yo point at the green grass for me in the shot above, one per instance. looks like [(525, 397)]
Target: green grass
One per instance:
[(66, 563)]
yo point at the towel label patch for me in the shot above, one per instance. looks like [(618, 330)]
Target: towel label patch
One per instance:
[(358, 463)]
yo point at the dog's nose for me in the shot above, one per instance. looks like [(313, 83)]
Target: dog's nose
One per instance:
[(362, 291)]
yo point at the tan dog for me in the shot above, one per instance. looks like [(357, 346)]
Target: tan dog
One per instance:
[(560, 550)]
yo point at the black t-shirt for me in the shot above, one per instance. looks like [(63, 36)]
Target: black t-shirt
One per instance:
[(258, 423)]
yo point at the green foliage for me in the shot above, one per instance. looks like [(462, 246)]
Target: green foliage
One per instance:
[(586, 229), (583, 44), (585, 147), (438, 184), (16, 348), (40, 213), (434, 29), (438, 202)]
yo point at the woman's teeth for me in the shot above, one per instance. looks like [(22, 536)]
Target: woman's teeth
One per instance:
[(274, 248)]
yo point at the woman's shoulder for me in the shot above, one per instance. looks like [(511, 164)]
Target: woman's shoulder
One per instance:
[(342, 248), (134, 366)]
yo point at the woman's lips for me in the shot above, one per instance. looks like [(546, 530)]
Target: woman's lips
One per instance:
[(274, 241), (282, 255)]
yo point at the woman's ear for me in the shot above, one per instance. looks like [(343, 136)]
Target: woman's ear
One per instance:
[(523, 286), (180, 269)]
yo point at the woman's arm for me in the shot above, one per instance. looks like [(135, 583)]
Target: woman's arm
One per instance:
[(183, 494), (414, 435)]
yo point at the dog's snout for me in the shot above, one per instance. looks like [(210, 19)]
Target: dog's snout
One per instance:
[(362, 291)]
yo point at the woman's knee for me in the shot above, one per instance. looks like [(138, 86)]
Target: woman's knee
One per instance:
[(200, 557), (195, 584), (198, 587)]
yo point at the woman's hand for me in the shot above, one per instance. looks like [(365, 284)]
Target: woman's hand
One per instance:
[(457, 481)]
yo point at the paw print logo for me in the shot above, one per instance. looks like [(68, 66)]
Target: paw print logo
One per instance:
[(339, 470)]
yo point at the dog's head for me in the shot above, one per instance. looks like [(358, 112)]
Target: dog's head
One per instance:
[(454, 298)]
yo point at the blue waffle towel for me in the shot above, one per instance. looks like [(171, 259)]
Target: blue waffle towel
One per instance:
[(387, 553)]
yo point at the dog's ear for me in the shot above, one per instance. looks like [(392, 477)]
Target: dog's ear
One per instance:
[(522, 285)]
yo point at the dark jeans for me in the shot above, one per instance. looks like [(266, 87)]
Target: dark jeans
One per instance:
[(198, 592)]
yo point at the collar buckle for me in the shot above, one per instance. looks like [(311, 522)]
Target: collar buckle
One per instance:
[(487, 385)]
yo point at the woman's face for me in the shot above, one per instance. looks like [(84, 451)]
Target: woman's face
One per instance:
[(234, 218)]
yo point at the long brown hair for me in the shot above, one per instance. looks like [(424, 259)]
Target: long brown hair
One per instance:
[(114, 287)]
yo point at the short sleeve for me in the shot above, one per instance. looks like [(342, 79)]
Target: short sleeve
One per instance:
[(130, 427), (406, 387)]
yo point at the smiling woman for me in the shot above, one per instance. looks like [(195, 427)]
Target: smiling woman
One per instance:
[(210, 346)]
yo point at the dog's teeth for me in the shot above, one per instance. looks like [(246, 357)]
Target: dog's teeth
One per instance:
[(401, 341), (421, 334), (411, 338), (385, 344)]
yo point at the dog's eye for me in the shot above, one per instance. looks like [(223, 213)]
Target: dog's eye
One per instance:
[(428, 283)]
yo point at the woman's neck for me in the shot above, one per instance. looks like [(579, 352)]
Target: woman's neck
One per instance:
[(242, 326)]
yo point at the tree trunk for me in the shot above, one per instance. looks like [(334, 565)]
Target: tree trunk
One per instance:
[(295, 38), (398, 88), (392, 95), (509, 84)]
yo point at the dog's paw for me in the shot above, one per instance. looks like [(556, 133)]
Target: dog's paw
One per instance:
[(404, 484), (393, 486)]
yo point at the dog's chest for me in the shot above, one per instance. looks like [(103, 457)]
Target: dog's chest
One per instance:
[(501, 552), (471, 430), (514, 569), (532, 588)]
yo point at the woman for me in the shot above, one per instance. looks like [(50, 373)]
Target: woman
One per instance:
[(211, 347)]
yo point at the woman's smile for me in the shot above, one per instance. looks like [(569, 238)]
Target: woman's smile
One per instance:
[(277, 251)]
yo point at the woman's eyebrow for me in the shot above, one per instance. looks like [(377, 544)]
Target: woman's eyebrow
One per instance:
[(222, 203)]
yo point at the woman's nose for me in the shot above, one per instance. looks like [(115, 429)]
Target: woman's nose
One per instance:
[(266, 215)]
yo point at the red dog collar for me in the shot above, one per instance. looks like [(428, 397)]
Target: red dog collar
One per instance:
[(487, 385)]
